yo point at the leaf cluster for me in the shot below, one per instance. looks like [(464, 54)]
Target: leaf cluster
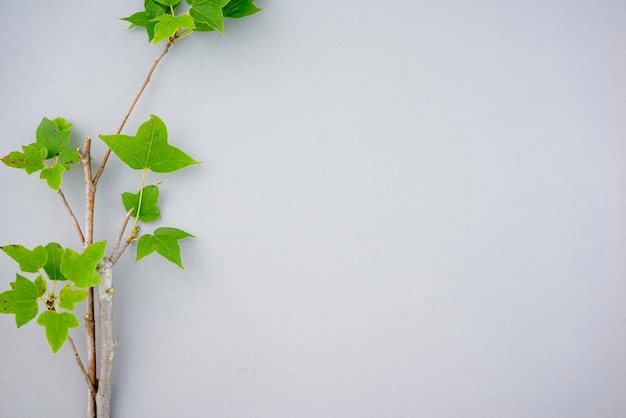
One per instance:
[(149, 150), (52, 265), (50, 153), (161, 22)]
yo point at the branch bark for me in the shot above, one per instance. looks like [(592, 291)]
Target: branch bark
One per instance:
[(107, 343)]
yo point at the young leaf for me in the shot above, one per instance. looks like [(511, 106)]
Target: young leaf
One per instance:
[(240, 8), (168, 25), (148, 148), (146, 17), (30, 160), (41, 285), (168, 3), (148, 211), (54, 135), (81, 268), (69, 156), (208, 12), (53, 176), (57, 327), (21, 300), (165, 242), (68, 298), (29, 261), (53, 265)]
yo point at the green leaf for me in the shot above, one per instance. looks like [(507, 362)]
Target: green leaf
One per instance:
[(145, 18), (148, 211), (148, 148), (31, 159), (168, 3), (81, 268), (41, 285), (21, 300), (53, 176), (54, 135), (69, 156), (57, 327), (53, 265), (168, 25), (240, 8), (29, 261), (165, 242), (68, 298), (208, 12)]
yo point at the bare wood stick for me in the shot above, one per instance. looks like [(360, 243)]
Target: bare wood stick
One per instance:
[(132, 106), (90, 386), (69, 210), (90, 325), (107, 343)]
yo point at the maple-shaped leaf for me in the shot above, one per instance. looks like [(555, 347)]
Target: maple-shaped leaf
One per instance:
[(145, 18), (149, 148), (57, 326), (148, 210), (53, 176), (81, 268), (165, 242), (30, 261), (53, 265), (208, 12), (68, 298), (54, 135), (240, 8), (69, 156), (168, 25), (31, 159), (21, 300)]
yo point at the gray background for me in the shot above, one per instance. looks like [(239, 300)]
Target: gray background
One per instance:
[(405, 209)]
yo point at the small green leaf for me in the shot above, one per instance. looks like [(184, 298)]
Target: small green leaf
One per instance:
[(21, 300), (54, 135), (208, 12), (30, 160), (165, 242), (240, 8), (53, 265), (148, 148), (145, 18), (69, 156), (148, 211), (53, 176), (41, 285), (29, 261), (168, 3), (57, 326), (68, 298), (81, 268), (168, 25)]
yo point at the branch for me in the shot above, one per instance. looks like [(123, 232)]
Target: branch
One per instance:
[(132, 106), (90, 386), (69, 210), (117, 253)]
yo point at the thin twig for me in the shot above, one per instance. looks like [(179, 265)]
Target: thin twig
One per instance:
[(90, 386), (76, 223), (132, 106), (116, 254)]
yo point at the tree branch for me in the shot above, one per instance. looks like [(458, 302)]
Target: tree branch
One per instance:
[(90, 386), (117, 253), (132, 106), (76, 223)]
